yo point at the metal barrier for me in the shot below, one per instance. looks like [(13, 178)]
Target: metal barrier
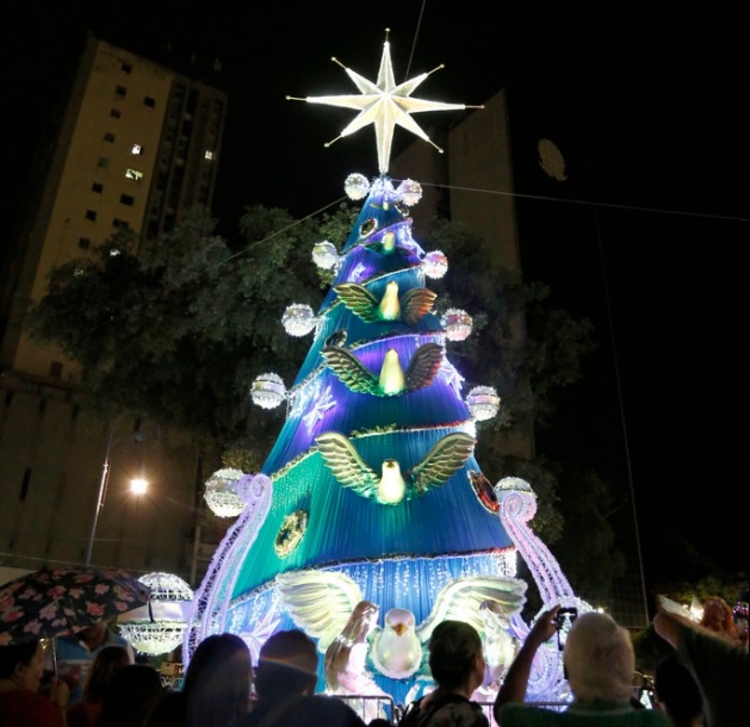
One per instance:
[(368, 708)]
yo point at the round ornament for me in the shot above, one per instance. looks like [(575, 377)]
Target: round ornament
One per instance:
[(410, 192), (268, 391), (435, 264), (221, 493), (356, 186), (299, 319), (171, 601), (483, 402), (325, 255), (457, 324), (290, 533)]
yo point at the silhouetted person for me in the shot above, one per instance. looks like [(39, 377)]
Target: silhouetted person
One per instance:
[(677, 694), (457, 664), (719, 667), (285, 683)]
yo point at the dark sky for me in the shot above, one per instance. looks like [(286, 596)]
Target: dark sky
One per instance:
[(649, 107)]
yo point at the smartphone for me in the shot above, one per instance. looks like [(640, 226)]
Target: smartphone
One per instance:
[(565, 618)]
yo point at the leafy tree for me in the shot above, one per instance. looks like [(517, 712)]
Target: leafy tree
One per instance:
[(182, 326)]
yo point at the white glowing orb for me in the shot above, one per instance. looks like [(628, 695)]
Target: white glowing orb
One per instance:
[(457, 324), (435, 264), (356, 186), (268, 391), (483, 402), (299, 319), (410, 192), (170, 605), (220, 493), (325, 255)]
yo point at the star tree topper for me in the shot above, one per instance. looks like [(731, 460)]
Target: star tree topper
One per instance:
[(384, 104)]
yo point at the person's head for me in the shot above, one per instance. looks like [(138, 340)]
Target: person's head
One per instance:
[(130, 695), (23, 664), (218, 681), (93, 635), (287, 664), (456, 659), (599, 659), (676, 692), (108, 661)]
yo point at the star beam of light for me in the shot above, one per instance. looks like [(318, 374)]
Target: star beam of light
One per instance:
[(385, 105)]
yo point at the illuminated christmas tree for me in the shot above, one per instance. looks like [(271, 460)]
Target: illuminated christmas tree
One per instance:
[(371, 521)]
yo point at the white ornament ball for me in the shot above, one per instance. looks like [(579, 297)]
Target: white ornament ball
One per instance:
[(325, 255), (356, 186), (483, 402), (221, 495), (435, 264), (171, 601), (299, 319), (410, 192), (457, 324), (268, 391)]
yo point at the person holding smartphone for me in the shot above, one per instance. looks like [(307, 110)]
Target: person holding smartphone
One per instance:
[(599, 664)]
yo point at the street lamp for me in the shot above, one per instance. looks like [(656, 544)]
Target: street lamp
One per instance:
[(137, 486)]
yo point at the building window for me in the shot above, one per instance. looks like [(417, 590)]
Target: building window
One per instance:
[(134, 174), (150, 102), (115, 113), (108, 136), (103, 162), (96, 187), (121, 90), (119, 224), (84, 243), (55, 369), (209, 155), (126, 68), (127, 199), (136, 149), (91, 215)]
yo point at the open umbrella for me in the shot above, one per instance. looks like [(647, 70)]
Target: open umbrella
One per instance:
[(58, 601)]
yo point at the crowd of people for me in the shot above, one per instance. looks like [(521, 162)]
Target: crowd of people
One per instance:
[(703, 683)]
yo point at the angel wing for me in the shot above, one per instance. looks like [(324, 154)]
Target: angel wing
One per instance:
[(350, 370), (319, 602), (416, 303), (461, 600), (441, 462), (424, 365), (359, 300), (347, 466)]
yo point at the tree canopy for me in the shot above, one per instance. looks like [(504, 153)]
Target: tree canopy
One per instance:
[(182, 326)]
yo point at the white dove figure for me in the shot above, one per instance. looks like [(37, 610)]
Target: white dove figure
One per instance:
[(396, 650), (445, 458), (318, 601)]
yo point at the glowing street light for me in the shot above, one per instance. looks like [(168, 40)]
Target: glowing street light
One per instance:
[(138, 486)]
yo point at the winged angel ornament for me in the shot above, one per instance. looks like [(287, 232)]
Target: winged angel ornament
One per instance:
[(391, 486), (330, 607)]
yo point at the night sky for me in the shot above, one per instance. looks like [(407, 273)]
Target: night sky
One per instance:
[(651, 112)]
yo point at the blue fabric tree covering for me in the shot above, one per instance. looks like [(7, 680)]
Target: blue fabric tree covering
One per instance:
[(399, 555)]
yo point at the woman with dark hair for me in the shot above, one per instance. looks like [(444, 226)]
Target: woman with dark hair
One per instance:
[(217, 687), (218, 682), (107, 662), (21, 705)]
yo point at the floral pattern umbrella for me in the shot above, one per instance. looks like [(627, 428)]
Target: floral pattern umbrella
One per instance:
[(58, 601)]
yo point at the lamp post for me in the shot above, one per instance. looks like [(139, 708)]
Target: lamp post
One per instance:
[(138, 486)]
